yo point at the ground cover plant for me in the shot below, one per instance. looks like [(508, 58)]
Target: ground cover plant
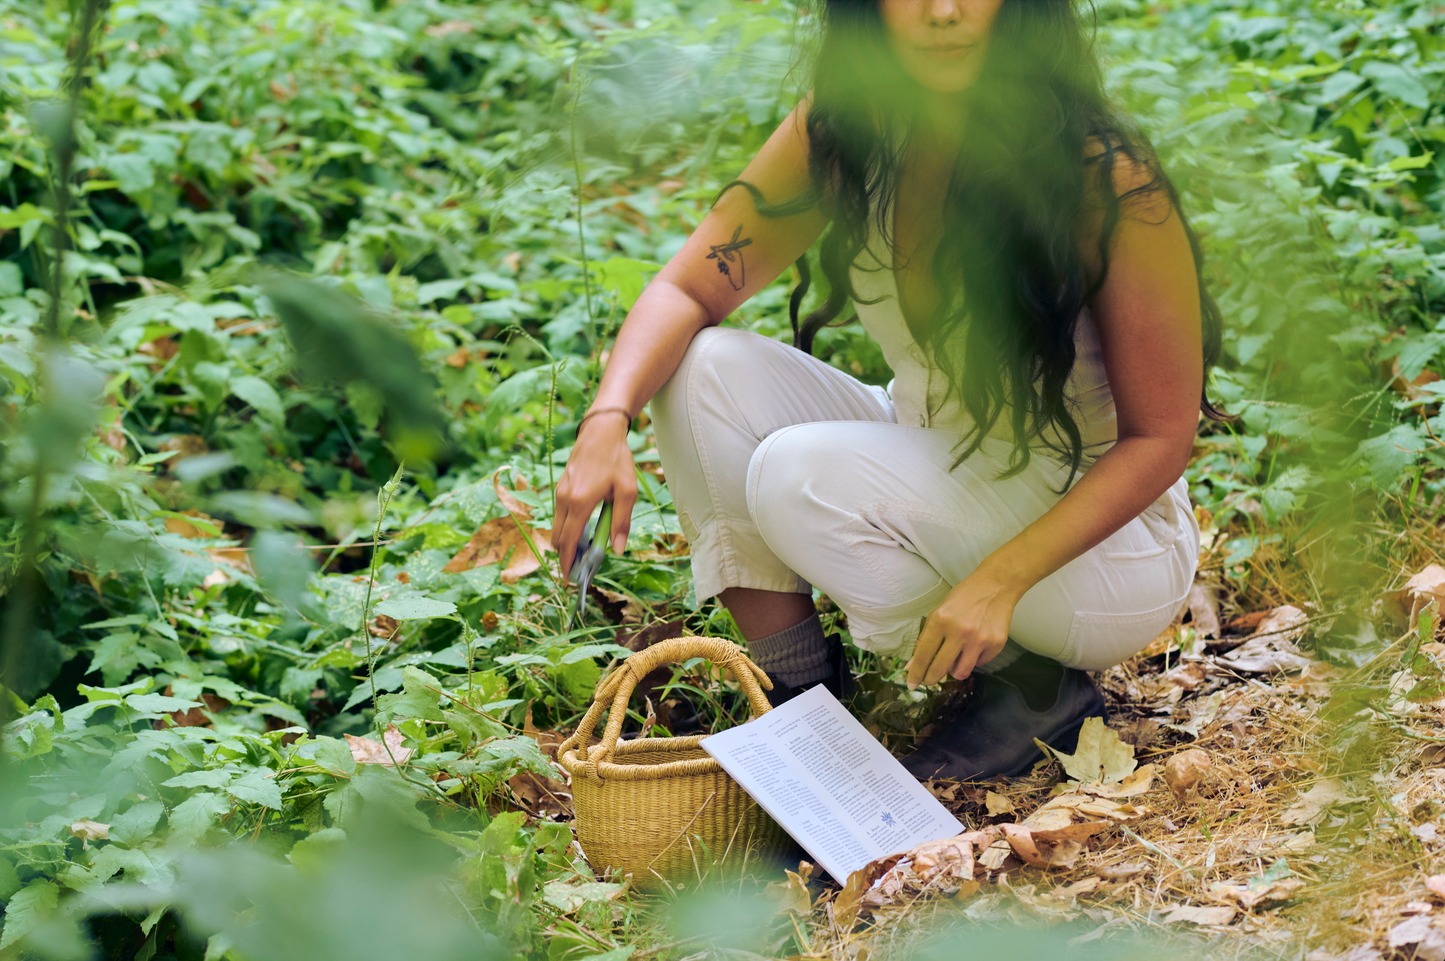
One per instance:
[(299, 306)]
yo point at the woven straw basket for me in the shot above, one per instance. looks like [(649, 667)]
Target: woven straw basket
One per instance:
[(661, 809)]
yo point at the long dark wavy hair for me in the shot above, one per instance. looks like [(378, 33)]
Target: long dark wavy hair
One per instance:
[(1041, 146)]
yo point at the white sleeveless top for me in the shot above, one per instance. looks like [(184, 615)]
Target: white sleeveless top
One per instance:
[(919, 388)]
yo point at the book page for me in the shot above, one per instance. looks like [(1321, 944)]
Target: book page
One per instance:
[(830, 784)]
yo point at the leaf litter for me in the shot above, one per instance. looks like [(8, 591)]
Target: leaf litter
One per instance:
[(1228, 808)]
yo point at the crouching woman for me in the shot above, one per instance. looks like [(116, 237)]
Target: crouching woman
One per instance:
[(1011, 506)]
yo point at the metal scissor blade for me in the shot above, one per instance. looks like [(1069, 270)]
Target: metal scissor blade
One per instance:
[(591, 551)]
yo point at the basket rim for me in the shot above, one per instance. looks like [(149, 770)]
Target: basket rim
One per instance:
[(611, 770)]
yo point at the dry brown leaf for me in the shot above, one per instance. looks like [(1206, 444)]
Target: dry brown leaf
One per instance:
[(1183, 771), (1245, 623), (367, 751), (198, 717), (1038, 852), (1196, 915), (501, 539), (208, 528), (1204, 611), (1272, 647), (793, 894), (88, 830), (1411, 931), (1316, 680), (509, 499), (1070, 891), (1073, 832), (1119, 872), (542, 796), (383, 626), (504, 538), (997, 804), (1132, 786), (1312, 804), (1250, 897), (941, 866), (1421, 591)]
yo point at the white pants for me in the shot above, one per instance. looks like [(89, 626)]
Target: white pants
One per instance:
[(788, 473)]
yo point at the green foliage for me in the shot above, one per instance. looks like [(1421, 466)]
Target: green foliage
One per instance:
[(312, 242)]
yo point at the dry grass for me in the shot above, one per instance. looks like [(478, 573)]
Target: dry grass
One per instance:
[(1361, 861)]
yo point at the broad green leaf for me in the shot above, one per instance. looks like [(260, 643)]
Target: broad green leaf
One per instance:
[(420, 698), (214, 778), (159, 703), (137, 823), (415, 607), (194, 816), (335, 756), (260, 395), (258, 788), (9, 880), (30, 906), (312, 855)]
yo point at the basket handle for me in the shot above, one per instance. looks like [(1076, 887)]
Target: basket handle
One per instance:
[(615, 690)]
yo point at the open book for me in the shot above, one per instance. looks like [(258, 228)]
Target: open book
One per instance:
[(830, 784)]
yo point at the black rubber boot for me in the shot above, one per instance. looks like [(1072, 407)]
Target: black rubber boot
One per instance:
[(840, 681), (994, 733)]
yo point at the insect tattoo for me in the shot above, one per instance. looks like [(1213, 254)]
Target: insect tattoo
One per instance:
[(729, 255)]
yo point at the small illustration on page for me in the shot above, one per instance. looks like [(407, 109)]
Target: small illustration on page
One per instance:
[(888, 820)]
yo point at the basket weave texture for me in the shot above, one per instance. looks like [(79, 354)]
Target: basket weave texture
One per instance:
[(661, 809)]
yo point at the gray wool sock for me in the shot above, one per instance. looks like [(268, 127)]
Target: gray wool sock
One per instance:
[(796, 656)]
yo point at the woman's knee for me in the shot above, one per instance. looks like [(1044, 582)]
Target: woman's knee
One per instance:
[(718, 357), (792, 474)]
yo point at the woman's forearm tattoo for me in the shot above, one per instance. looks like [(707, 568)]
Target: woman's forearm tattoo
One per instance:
[(730, 255)]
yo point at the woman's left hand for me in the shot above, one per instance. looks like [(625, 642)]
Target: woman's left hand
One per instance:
[(969, 628)]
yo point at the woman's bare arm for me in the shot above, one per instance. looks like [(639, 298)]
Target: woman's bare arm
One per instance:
[(734, 253), (1148, 317)]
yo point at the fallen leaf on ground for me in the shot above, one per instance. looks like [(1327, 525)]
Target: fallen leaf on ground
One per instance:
[(497, 540), (1196, 915), (1132, 786), (1311, 805), (1245, 623), (1421, 591), (383, 626), (1100, 755), (367, 751), (1435, 884), (88, 830), (943, 866), (1316, 679), (1249, 896), (1037, 851), (1079, 888), (569, 897), (792, 894), (541, 795), (1204, 611), (997, 804), (204, 526), (1411, 931), (1183, 771), (1119, 872), (1272, 647)]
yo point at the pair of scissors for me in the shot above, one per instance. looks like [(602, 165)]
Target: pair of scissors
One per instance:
[(587, 561)]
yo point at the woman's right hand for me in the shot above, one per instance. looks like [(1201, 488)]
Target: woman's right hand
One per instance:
[(600, 468)]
